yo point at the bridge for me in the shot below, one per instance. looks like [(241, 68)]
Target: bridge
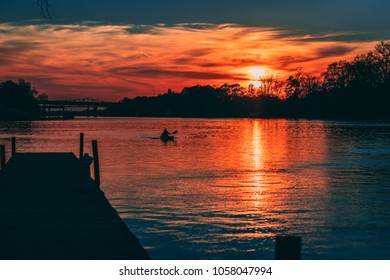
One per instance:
[(61, 106)]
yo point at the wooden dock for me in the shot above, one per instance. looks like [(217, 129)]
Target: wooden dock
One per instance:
[(50, 210)]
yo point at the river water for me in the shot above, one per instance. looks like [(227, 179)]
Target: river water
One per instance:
[(225, 187)]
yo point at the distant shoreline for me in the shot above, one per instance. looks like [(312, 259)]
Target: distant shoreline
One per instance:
[(209, 118)]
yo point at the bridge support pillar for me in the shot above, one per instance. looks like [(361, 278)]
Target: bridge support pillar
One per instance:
[(43, 111)]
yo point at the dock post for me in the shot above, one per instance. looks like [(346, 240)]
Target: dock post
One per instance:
[(86, 161), (13, 150), (288, 247), (2, 156), (96, 162), (81, 144)]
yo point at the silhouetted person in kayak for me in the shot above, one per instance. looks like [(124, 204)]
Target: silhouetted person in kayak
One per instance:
[(165, 134)]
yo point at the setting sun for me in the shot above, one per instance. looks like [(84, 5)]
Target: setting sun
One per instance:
[(256, 73)]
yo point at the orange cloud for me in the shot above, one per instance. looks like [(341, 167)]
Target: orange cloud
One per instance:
[(111, 61)]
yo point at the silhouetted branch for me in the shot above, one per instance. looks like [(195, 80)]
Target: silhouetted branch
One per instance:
[(44, 5)]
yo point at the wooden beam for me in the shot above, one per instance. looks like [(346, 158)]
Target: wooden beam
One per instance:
[(13, 144), (2, 156), (96, 162)]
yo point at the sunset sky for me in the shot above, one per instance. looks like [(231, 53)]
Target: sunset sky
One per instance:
[(113, 49)]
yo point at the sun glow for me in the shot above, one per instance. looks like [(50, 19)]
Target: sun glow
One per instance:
[(117, 61), (256, 73), (256, 84)]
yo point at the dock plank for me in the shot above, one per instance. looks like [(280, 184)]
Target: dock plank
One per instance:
[(50, 210)]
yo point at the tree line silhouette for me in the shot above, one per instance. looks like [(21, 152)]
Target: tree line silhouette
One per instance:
[(347, 89), (359, 88), (18, 101)]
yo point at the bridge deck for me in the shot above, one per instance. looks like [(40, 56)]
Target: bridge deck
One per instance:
[(78, 102), (49, 209)]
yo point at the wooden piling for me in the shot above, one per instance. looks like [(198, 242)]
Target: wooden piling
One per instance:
[(96, 162), (288, 247), (2, 156), (81, 144), (13, 149)]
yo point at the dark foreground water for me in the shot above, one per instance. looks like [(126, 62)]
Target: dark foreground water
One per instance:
[(225, 188)]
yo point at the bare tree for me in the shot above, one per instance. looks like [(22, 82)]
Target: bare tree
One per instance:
[(270, 86)]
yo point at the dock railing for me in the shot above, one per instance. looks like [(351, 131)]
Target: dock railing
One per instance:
[(95, 153)]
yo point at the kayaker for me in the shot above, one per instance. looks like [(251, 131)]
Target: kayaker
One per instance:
[(165, 134)]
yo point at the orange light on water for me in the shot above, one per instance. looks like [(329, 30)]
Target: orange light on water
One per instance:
[(268, 182)]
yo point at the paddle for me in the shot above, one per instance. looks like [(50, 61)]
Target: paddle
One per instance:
[(174, 132)]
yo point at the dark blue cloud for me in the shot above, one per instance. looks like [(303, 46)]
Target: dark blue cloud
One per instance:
[(322, 16)]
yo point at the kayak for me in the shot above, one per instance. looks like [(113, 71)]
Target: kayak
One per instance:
[(167, 138)]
